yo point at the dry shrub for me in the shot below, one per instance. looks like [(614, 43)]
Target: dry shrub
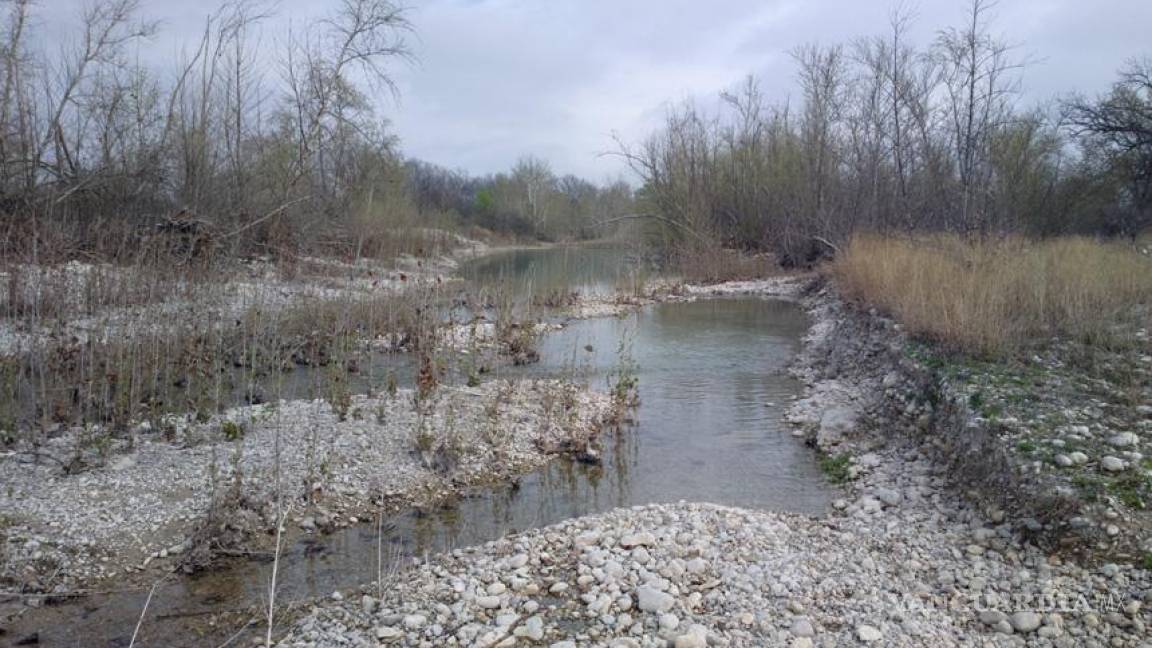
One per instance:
[(991, 297), (706, 264), (194, 364)]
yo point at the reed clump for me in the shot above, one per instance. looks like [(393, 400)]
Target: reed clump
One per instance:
[(993, 297), (105, 346)]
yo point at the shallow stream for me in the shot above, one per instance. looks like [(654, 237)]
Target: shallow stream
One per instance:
[(713, 387)]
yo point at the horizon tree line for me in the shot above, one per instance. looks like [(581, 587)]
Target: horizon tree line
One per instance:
[(891, 136), (256, 148)]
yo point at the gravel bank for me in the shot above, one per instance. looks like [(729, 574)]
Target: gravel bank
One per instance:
[(104, 301), (661, 291), (173, 495), (702, 575), (1052, 439), (903, 560)]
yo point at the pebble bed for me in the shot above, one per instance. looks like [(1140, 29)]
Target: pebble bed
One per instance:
[(901, 560), (141, 508)]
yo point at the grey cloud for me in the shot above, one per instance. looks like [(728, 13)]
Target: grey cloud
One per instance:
[(496, 79)]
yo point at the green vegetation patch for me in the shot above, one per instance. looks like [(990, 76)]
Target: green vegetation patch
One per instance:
[(836, 467)]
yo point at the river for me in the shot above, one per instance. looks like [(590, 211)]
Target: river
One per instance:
[(713, 387)]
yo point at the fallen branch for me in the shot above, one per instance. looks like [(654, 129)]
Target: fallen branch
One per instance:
[(654, 217), (144, 612), (821, 239), (272, 214)]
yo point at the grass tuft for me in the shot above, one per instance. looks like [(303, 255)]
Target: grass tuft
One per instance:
[(836, 467)]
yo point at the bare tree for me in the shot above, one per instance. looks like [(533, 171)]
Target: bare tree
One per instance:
[(823, 84), (108, 27), (362, 37), (1118, 129), (533, 178), (14, 139), (976, 73)]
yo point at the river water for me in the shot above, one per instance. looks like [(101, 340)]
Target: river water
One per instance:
[(713, 387)]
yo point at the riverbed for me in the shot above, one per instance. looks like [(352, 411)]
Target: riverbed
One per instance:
[(713, 387)]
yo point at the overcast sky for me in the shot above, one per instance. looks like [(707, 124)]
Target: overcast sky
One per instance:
[(497, 79)]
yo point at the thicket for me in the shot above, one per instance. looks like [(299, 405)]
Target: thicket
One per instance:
[(528, 201), (889, 136), (249, 143)]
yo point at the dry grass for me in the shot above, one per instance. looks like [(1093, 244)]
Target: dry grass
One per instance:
[(992, 297)]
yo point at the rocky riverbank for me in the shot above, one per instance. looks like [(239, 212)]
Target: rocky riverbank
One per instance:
[(908, 556), (1050, 439), (78, 302), (663, 291), (168, 499)]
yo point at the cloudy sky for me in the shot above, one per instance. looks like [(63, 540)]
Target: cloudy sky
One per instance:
[(497, 79)]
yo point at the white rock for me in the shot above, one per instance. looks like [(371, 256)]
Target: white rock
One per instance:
[(696, 637), (1113, 464), (992, 617), (533, 629), (1123, 440), (637, 540), (889, 496), (867, 633), (650, 599), (488, 602), (802, 627), (834, 424), (587, 539), (1025, 621), (387, 633)]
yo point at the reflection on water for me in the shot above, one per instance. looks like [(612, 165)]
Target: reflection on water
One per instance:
[(712, 388), (589, 270), (704, 430)]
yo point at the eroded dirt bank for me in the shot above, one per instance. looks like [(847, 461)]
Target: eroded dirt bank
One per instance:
[(940, 538)]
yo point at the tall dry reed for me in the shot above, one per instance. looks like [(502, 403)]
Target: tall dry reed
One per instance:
[(993, 297)]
